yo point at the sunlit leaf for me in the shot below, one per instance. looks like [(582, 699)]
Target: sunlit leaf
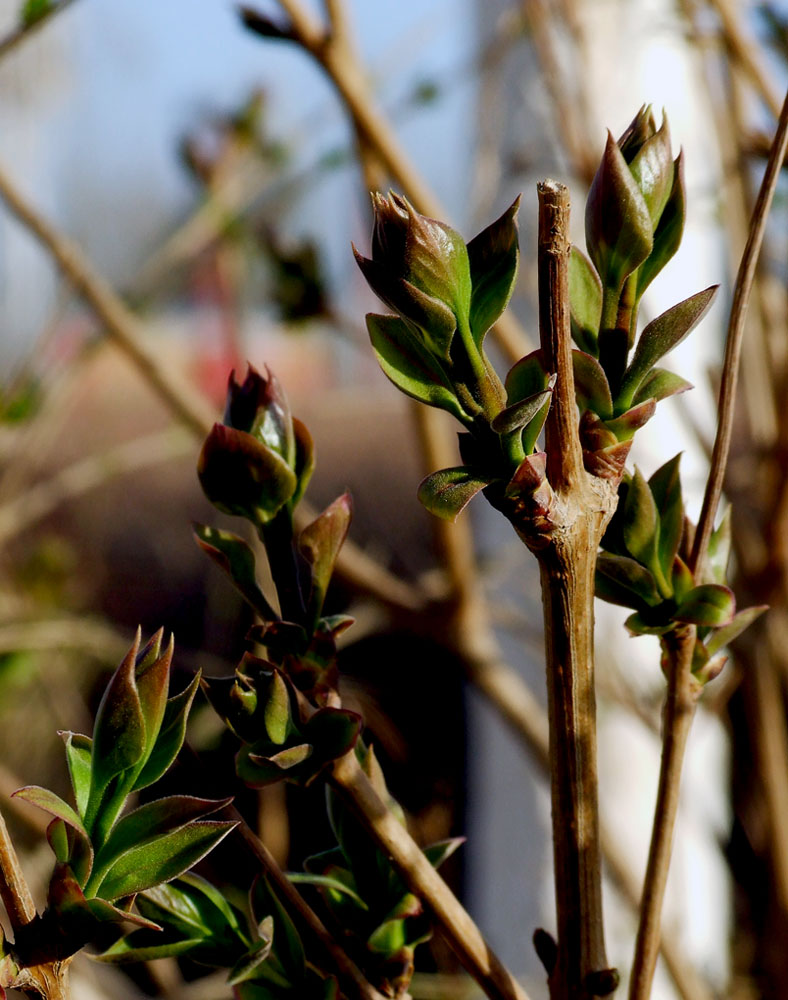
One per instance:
[(448, 492)]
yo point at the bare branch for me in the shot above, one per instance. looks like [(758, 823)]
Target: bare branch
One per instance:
[(733, 345), (457, 927)]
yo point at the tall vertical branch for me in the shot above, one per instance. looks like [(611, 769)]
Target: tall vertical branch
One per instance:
[(682, 691), (583, 506)]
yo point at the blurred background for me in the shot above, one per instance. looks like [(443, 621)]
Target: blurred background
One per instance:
[(211, 174)]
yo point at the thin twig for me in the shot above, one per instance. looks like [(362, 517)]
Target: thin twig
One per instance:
[(347, 76), (681, 699), (24, 31), (14, 889), (583, 506), (682, 691), (746, 53), (733, 345), (122, 326), (352, 982), (89, 473), (125, 330), (456, 925)]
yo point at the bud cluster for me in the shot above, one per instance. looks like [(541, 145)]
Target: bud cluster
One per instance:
[(634, 222), (105, 858), (643, 566), (446, 295), (256, 464), (283, 705)]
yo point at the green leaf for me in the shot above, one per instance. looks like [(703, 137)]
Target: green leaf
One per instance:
[(667, 235), (58, 840), (124, 951), (625, 425), (152, 674), (78, 748), (53, 804), (448, 492), (585, 298), (619, 234), (258, 770), (640, 524), (327, 882), (653, 170), (154, 819), (332, 731), (320, 542), (33, 10), (494, 261), (242, 476), (410, 365), (237, 560), (661, 336), (591, 385), (162, 859), (72, 848), (248, 964), (304, 459), (719, 551), (665, 486), (276, 713), (442, 850), (289, 948), (171, 736), (725, 635), (682, 579), (520, 414), (430, 319), (621, 580), (659, 384), (193, 904), (526, 378), (118, 731), (639, 624), (710, 604)]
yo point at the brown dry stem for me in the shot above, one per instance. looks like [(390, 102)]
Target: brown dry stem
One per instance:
[(583, 506), (344, 71), (682, 693), (352, 982), (456, 925)]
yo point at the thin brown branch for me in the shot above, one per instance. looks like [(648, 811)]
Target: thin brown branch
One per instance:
[(21, 33), (567, 558), (14, 889), (570, 110), (733, 345), (746, 52), (347, 76), (87, 474), (562, 443), (511, 697), (125, 330), (352, 982), (122, 326), (456, 925), (681, 699)]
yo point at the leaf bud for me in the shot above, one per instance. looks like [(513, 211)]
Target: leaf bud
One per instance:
[(420, 269), (259, 458)]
